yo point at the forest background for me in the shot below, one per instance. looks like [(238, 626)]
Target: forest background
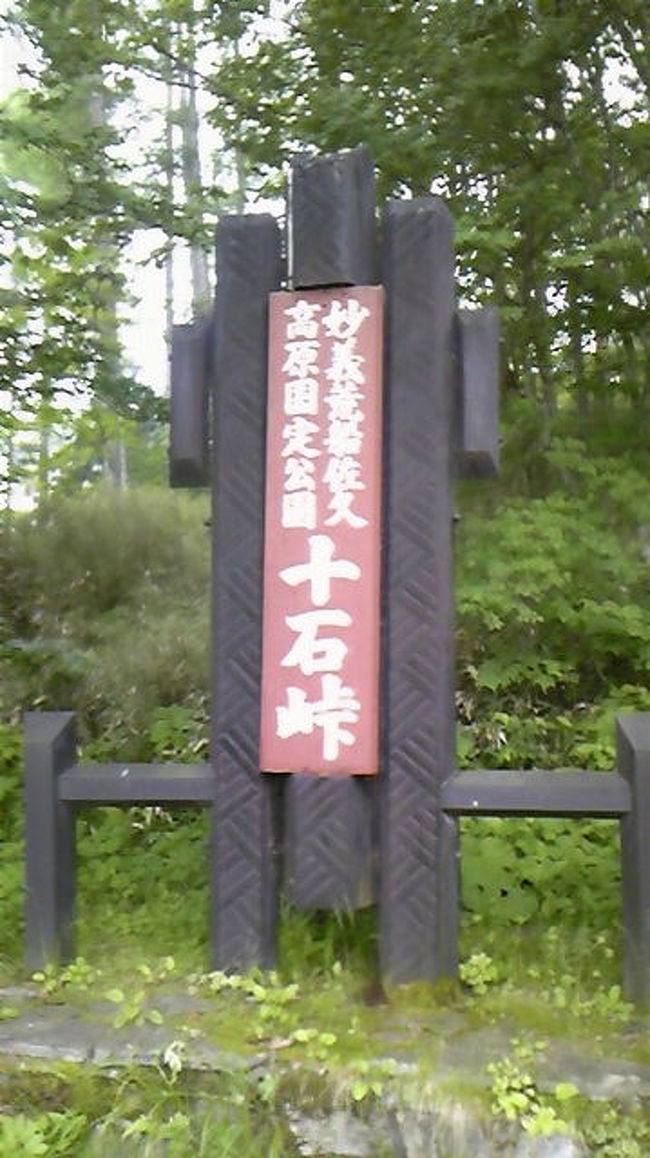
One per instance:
[(530, 117)]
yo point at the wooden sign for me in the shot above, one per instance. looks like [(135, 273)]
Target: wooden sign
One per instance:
[(320, 666)]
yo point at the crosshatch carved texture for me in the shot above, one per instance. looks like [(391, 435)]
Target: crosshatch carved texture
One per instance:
[(332, 206), (329, 823), (418, 856), (244, 840), (633, 746), (328, 849)]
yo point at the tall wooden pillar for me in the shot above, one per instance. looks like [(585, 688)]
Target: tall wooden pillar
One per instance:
[(330, 846), (418, 894), (244, 835)]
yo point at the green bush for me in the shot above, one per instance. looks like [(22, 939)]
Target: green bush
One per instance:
[(554, 872), (106, 611), (10, 768), (84, 556), (11, 845), (554, 615), (156, 656)]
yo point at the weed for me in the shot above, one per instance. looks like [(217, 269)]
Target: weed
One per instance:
[(479, 972), (516, 1097), (616, 1132), (133, 1008), (77, 975), (55, 1134), (368, 1078)]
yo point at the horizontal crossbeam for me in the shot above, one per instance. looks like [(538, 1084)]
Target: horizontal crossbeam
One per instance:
[(137, 784), (488, 792), (496, 792)]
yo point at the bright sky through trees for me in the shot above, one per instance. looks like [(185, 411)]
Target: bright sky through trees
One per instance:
[(530, 119), (143, 323)]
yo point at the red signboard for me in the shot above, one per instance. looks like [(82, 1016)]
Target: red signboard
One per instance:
[(320, 669)]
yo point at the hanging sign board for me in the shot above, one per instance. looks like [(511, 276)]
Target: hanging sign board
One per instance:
[(320, 669)]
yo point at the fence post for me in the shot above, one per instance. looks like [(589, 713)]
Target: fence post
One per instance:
[(633, 754), (49, 839)]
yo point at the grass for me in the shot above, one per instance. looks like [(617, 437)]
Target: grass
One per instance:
[(143, 897), (325, 1026), (88, 1114), (122, 638), (540, 985), (324, 1041)]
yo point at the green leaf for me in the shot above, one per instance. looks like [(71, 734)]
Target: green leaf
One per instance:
[(565, 1091)]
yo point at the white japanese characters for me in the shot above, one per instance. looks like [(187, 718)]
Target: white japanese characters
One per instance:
[(323, 393), (336, 707), (301, 405)]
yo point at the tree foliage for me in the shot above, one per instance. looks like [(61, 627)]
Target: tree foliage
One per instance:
[(80, 178), (64, 225), (530, 118)]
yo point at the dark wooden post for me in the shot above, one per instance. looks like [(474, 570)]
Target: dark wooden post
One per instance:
[(245, 838), (190, 371), (329, 823), (633, 745), (477, 404), (49, 839), (419, 891)]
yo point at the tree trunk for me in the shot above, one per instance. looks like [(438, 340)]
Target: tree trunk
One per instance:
[(169, 256), (192, 180), (576, 355)]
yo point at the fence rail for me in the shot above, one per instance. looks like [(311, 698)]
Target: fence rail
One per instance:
[(538, 792), (137, 784), (56, 786)]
